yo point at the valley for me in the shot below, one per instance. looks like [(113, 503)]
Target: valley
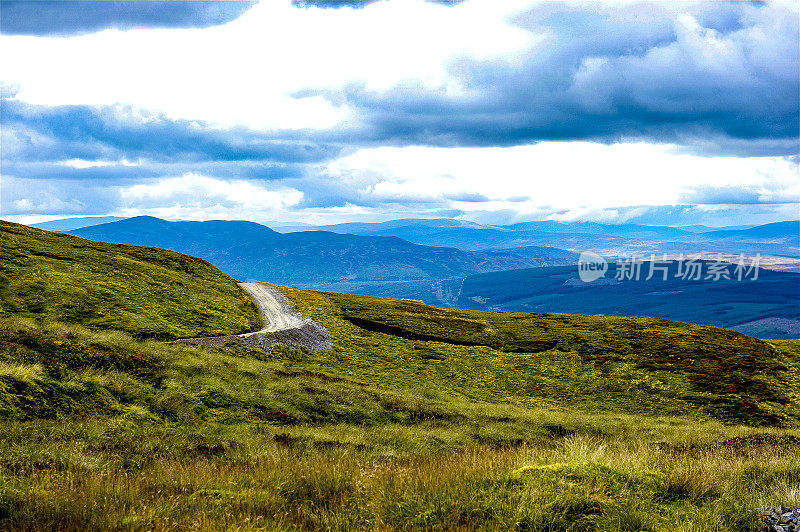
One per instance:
[(481, 271)]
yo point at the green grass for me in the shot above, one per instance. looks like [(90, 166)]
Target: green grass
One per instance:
[(104, 431), (597, 364), (418, 418), (144, 291), (222, 478)]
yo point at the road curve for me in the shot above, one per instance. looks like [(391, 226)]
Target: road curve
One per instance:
[(282, 325), (277, 312)]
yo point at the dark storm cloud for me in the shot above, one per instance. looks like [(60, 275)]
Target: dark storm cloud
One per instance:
[(41, 17), (722, 77), (119, 172), (36, 133)]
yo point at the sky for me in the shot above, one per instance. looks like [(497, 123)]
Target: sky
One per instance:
[(314, 111)]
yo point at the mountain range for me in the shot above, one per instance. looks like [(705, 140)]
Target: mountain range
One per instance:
[(253, 252), (70, 224), (523, 277), (780, 238)]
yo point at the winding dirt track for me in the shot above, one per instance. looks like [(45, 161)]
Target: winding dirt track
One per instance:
[(278, 314), (282, 325)]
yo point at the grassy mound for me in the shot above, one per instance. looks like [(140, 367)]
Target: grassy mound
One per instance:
[(640, 365), (144, 291)]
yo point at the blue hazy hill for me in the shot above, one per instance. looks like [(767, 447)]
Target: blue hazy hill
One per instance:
[(251, 251), (70, 224), (768, 306)]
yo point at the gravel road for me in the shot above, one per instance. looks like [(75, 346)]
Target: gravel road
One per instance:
[(278, 313), (282, 325)]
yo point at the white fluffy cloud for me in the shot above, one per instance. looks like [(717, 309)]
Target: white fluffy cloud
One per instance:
[(576, 177), (246, 71), (194, 196)]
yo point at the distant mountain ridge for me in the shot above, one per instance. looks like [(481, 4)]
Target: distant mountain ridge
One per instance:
[(780, 238), (253, 252), (773, 230), (593, 228), (70, 224)]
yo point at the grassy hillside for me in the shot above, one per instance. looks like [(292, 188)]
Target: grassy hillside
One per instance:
[(102, 431), (418, 419), (632, 365), (144, 291), (593, 364)]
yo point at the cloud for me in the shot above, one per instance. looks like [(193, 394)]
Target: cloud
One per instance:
[(333, 4), (468, 197), (715, 78), (189, 196), (559, 176), (23, 198), (722, 76), (107, 145), (202, 192), (721, 195), (84, 132), (355, 4), (571, 179), (498, 111), (773, 192), (57, 17), (244, 73), (95, 172), (671, 215)]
